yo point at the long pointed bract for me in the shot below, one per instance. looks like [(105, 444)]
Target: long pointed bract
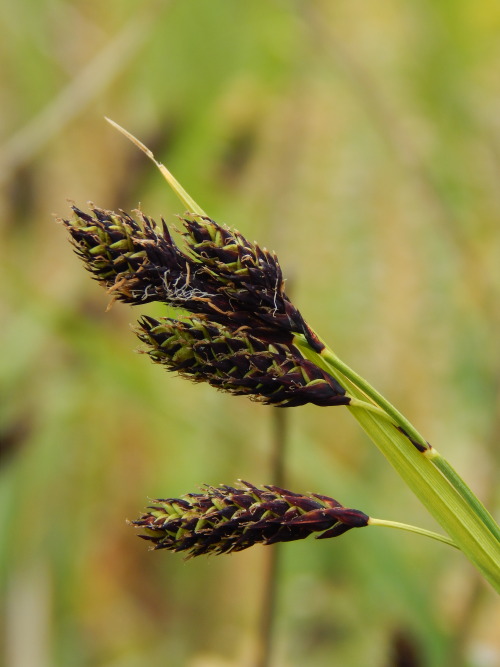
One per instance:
[(190, 203)]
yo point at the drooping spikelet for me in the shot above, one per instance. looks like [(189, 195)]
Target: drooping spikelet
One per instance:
[(239, 363), (225, 519)]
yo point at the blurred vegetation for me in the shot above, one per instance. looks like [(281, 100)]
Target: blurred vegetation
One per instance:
[(362, 142)]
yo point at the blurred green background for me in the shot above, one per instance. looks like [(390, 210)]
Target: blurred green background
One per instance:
[(361, 141)]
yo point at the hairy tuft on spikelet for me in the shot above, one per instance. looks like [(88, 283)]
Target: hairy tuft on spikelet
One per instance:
[(222, 277), (225, 519)]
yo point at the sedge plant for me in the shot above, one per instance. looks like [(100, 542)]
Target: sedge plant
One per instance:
[(238, 330)]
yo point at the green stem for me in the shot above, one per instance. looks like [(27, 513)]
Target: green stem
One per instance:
[(462, 487), (412, 529), (371, 407), (453, 512), (433, 455), (372, 393)]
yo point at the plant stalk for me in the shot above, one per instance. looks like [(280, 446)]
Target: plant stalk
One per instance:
[(454, 513), (432, 454), (412, 529)]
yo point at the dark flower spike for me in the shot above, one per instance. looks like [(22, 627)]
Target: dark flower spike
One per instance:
[(239, 363), (224, 279), (225, 519)]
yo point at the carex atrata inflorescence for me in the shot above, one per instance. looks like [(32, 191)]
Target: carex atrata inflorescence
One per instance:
[(225, 519), (240, 331)]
